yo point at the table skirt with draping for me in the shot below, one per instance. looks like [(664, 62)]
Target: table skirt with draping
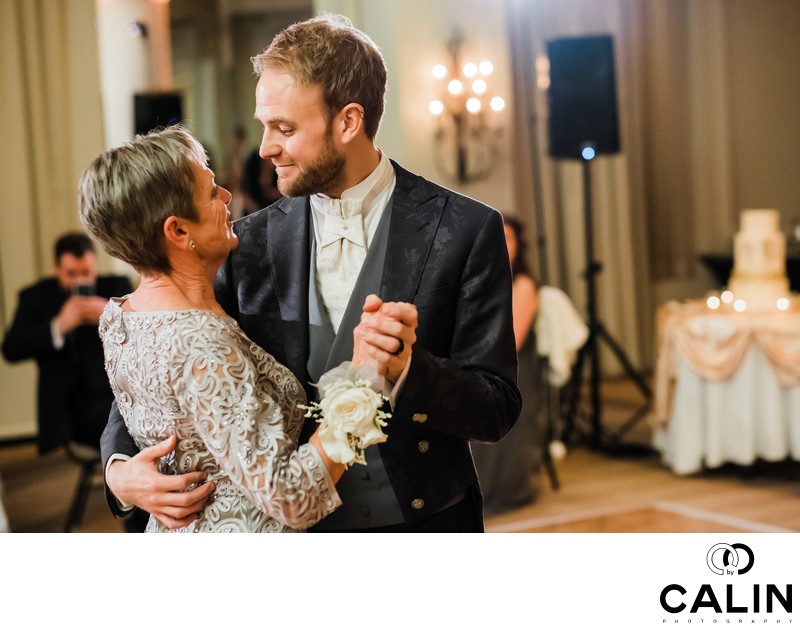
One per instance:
[(738, 420), (727, 385)]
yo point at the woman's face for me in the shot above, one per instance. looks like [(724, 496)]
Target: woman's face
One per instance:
[(511, 243), (213, 232)]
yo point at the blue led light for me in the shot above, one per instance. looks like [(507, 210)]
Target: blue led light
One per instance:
[(588, 153)]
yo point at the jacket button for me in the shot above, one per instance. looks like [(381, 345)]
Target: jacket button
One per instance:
[(417, 504), (419, 417), (424, 446)]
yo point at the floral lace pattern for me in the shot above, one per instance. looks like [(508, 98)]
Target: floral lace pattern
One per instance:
[(235, 412)]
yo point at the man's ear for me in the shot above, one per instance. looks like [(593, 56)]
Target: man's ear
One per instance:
[(176, 232), (352, 122)]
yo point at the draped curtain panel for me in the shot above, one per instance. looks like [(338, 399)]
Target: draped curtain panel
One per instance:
[(50, 128)]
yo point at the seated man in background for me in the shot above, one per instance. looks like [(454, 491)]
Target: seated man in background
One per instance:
[(56, 324)]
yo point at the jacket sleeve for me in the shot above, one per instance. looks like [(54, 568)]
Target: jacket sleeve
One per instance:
[(29, 335), (115, 440), (472, 394)]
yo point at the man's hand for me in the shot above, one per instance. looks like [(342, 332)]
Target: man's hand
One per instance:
[(138, 481), (385, 329), (78, 310)]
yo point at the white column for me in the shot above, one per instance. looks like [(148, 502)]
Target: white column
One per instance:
[(135, 56)]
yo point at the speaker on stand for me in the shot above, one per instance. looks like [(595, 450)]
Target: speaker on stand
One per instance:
[(583, 125), (152, 110)]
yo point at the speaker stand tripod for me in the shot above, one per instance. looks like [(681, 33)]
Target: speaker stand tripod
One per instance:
[(597, 333)]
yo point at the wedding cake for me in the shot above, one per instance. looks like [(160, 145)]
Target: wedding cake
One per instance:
[(759, 260)]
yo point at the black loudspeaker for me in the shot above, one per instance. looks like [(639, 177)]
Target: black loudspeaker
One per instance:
[(583, 103), (156, 109)]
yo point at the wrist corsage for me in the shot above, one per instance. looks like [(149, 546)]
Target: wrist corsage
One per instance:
[(350, 411)]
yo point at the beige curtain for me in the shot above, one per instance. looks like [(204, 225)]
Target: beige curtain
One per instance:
[(50, 127)]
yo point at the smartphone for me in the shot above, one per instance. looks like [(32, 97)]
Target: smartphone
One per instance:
[(82, 289)]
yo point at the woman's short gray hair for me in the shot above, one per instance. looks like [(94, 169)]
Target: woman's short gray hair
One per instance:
[(128, 192)]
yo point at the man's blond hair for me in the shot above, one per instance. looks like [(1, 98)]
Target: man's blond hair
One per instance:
[(330, 52)]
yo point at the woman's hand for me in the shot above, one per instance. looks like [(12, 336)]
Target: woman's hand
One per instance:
[(334, 468)]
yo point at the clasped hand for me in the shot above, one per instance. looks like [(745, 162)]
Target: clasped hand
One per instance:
[(385, 329)]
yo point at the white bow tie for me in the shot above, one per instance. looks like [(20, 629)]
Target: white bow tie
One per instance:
[(343, 220)]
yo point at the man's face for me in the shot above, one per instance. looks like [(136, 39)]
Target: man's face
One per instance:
[(71, 270), (297, 136)]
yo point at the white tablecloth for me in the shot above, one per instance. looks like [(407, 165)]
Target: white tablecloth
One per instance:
[(749, 416), (726, 386)]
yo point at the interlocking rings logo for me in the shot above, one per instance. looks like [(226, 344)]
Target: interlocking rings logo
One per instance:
[(724, 555)]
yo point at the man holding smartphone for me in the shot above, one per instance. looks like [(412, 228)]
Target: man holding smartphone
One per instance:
[(56, 324)]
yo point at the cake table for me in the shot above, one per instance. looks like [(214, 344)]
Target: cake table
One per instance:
[(727, 385)]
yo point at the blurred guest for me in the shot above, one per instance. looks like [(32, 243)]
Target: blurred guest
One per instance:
[(508, 470), (234, 173), (56, 324), (259, 183)]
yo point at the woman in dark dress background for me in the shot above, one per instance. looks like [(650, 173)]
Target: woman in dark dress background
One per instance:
[(509, 470)]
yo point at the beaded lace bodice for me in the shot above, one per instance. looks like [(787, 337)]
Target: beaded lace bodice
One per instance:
[(235, 412)]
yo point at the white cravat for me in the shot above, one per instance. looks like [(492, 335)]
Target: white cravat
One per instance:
[(341, 254), (343, 235)]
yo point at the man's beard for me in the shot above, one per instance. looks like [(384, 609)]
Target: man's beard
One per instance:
[(324, 174)]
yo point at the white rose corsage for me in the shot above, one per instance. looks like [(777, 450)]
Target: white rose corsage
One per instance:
[(349, 411)]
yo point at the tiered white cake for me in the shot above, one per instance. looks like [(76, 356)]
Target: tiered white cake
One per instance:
[(759, 260)]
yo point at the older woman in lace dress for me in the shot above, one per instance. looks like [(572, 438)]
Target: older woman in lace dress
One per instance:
[(178, 365)]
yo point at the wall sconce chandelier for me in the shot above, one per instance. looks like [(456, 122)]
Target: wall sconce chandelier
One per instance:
[(466, 142)]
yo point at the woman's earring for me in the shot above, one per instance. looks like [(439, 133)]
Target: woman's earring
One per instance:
[(192, 245)]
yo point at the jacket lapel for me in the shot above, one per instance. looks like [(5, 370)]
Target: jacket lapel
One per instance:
[(288, 252), (416, 212)]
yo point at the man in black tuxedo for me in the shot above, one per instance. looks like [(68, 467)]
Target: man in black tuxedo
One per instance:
[(417, 275), (56, 324)]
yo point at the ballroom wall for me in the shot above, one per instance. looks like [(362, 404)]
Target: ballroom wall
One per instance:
[(708, 95)]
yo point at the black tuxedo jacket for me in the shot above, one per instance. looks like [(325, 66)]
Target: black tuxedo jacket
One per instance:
[(73, 391), (446, 253)]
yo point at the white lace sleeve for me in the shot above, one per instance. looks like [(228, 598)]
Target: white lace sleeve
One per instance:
[(234, 409)]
